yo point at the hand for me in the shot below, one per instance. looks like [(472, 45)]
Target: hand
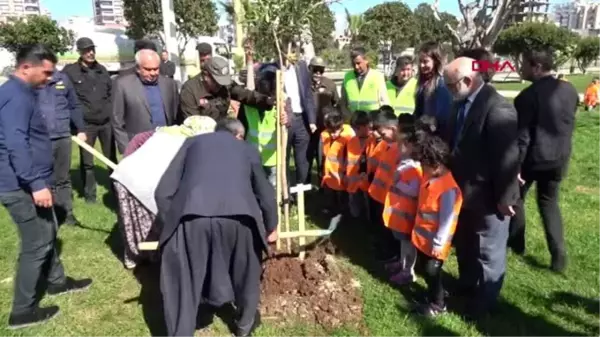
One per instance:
[(283, 117), (506, 210), (272, 237), (437, 252), (82, 136), (203, 102), (521, 180), (42, 198), (313, 128)]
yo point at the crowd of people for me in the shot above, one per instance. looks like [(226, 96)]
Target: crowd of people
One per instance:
[(428, 160)]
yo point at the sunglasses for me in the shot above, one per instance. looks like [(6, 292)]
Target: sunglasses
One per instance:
[(318, 70)]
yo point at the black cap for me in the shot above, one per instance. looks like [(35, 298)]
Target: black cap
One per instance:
[(218, 68), (204, 48), (84, 43), (144, 44)]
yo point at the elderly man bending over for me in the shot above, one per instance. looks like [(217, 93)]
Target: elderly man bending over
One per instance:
[(482, 133), (143, 100)]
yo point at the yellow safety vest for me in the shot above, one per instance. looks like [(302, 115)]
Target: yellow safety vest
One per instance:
[(404, 102), (263, 133), (367, 97)]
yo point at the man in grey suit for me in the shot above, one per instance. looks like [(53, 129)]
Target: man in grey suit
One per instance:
[(143, 100), (482, 133)]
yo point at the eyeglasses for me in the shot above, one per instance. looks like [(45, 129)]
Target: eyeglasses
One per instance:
[(318, 70), (457, 82)]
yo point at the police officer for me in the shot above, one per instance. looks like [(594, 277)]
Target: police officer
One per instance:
[(326, 97), (61, 109)]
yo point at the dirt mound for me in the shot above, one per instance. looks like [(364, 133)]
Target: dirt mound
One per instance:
[(317, 290)]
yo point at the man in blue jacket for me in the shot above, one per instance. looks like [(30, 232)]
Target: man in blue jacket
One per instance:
[(61, 109), (25, 189)]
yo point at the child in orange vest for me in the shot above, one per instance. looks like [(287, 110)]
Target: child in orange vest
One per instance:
[(400, 207), (356, 170), (590, 98), (333, 148), (386, 124), (439, 204)]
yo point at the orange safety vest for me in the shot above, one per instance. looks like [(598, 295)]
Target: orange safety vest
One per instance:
[(357, 149), (388, 161), (400, 209), (427, 223), (334, 151), (373, 154), (591, 95)]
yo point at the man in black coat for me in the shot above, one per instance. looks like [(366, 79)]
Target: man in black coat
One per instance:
[(546, 112), (216, 218), (482, 133)]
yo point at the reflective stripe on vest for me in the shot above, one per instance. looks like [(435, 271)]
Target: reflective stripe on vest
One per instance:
[(367, 97), (402, 207), (263, 134), (404, 101), (427, 221), (384, 174), (402, 214)]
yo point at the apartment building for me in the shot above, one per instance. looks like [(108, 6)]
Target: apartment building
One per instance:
[(580, 16), (108, 12), (526, 10), (19, 8)]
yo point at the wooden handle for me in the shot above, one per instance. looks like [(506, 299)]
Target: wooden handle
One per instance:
[(94, 152)]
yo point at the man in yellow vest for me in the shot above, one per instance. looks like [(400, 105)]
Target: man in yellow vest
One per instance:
[(364, 88), (401, 88)]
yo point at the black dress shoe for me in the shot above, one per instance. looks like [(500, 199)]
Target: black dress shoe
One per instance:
[(241, 333), (33, 317), (559, 263), (90, 200), (70, 286)]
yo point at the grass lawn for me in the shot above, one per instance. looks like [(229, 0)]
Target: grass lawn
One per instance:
[(579, 81), (534, 300)]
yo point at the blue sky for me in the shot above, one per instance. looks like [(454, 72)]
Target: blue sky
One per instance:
[(61, 9)]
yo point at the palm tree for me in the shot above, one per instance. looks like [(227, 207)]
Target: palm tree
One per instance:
[(354, 22)]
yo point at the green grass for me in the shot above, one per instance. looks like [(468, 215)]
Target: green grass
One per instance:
[(534, 300), (579, 81)]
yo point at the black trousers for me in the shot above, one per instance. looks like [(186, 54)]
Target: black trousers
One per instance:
[(298, 140), (210, 262), (431, 270), (38, 258), (314, 155), (103, 133), (386, 245), (63, 204), (548, 185)]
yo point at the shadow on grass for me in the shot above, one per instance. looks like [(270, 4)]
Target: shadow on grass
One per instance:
[(150, 298), (114, 240), (103, 179)]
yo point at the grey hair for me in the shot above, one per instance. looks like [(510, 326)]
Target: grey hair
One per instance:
[(231, 125), (140, 54)]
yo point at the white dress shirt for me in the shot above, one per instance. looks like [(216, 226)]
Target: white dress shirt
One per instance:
[(292, 90)]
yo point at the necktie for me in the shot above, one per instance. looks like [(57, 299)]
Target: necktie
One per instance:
[(460, 121)]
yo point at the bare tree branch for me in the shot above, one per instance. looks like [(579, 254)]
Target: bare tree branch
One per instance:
[(436, 14)]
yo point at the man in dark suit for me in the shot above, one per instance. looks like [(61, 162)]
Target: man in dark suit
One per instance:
[(546, 112), (298, 90), (482, 133), (143, 101), (217, 219), (167, 68)]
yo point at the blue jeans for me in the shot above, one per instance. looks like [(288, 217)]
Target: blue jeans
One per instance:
[(38, 258)]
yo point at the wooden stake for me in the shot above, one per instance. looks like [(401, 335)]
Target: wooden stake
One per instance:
[(299, 190), (279, 163), (284, 182)]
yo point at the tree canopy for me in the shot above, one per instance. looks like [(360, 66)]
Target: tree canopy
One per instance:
[(587, 51), (35, 29), (193, 18), (390, 21), (514, 41), (431, 29)]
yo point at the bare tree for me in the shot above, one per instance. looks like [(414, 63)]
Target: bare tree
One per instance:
[(481, 22)]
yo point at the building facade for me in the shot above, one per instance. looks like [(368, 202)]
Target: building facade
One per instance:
[(526, 11), (580, 16), (20, 8), (108, 12)]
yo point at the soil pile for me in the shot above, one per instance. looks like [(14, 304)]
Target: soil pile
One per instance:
[(317, 290)]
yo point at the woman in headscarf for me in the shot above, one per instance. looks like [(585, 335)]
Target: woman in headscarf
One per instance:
[(135, 217)]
